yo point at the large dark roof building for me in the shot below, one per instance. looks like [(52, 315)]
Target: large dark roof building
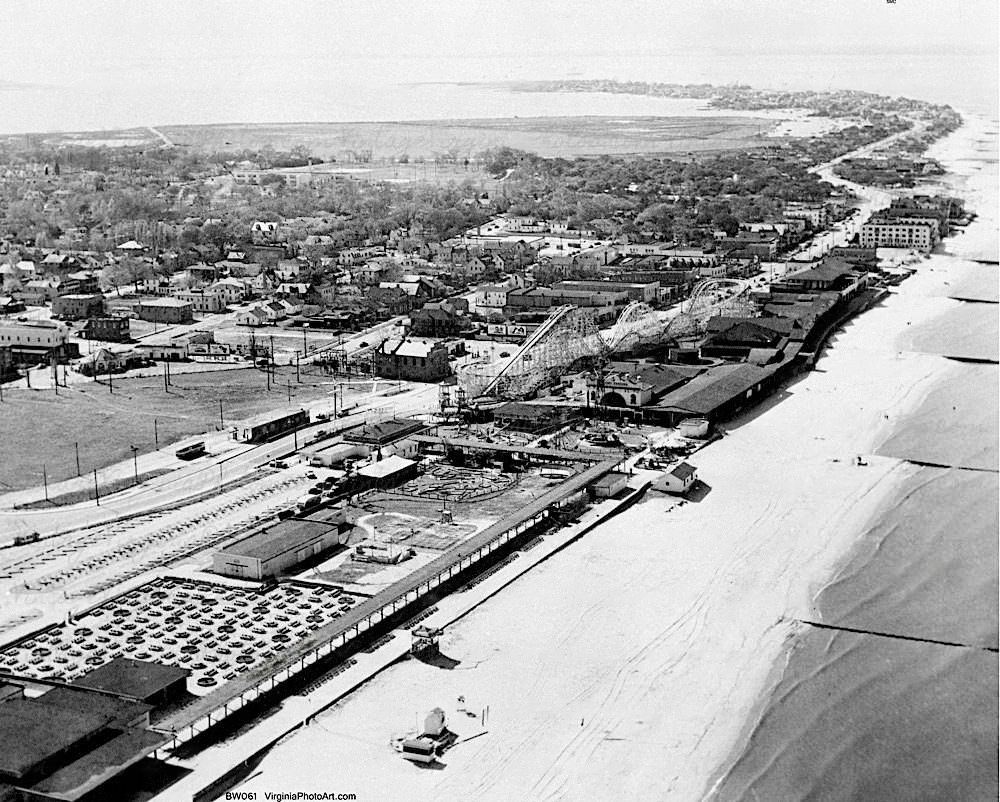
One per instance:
[(153, 683), (67, 742)]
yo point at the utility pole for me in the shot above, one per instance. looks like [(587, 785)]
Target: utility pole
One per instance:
[(97, 492), (222, 422), (289, 392), (156, 433), (135, 462), (111, 381), (45, 481), (297, 375), (76, 447)]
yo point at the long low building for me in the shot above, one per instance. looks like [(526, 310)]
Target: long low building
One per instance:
[(646, 291), (66, 743), (271, 424), (277, 548), (716, 394)]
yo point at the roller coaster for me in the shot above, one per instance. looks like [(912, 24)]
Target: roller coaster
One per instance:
[(570, 334)]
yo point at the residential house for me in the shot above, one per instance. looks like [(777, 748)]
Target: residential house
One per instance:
[(77, 306), (233, 290), (412, 360), (106, 329), (263, 231), (110, 359), (394, 300), (437, 319), (203, 300), (38, 292), (254, 316)]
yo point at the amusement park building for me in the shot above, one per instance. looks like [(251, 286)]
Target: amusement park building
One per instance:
[(637, 384), (645, 292)]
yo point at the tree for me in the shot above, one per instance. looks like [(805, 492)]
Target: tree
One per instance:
[(726, 222)]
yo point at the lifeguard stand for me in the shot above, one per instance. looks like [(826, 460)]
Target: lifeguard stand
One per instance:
[(425, 639)]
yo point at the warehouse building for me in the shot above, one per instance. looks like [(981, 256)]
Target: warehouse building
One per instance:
[(386, 473), (277, 548), (66, 743), (271, 424), (153, 684), (165, 310)]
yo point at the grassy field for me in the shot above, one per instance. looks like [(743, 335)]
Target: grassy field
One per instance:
[(547, 136), (39, 428)]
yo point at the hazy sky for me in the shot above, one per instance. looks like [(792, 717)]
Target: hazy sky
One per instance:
[(56, 42), (115, 62)]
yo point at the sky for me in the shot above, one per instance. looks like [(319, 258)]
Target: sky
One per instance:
[(284, 55)]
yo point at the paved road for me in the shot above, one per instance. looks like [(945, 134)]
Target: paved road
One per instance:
[(189, 481)]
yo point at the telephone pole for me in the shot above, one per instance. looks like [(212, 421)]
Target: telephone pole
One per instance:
[(97, 492), (76, 447)]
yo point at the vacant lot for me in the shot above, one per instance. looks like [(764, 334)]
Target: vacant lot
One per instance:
[(39, 428)]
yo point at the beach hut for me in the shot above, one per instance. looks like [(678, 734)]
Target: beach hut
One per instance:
[(677, 480)]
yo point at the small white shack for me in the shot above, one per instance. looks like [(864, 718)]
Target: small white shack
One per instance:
[(678, 480)]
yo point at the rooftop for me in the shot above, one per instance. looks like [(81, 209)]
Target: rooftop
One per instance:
[(278, 539), (137, 679), (385, 431), (386, 467), (683, 471), (829, 270), (165, 302), (99, 765), (713, 388), (269, 417), (31, 733)]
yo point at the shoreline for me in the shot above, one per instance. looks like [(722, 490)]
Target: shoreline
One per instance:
[(710, 578), (924, 287), (772, 609)]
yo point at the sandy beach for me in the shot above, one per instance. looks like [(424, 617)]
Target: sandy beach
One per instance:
[(637, 662), (631, 663)]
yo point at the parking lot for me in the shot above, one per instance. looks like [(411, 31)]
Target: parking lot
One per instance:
[(215, 630)]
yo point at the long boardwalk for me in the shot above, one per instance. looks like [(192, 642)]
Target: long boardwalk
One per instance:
[(211, 709), (219, 767)]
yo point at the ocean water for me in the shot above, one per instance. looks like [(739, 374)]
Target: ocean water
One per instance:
[(864, 716), (246, 86)]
